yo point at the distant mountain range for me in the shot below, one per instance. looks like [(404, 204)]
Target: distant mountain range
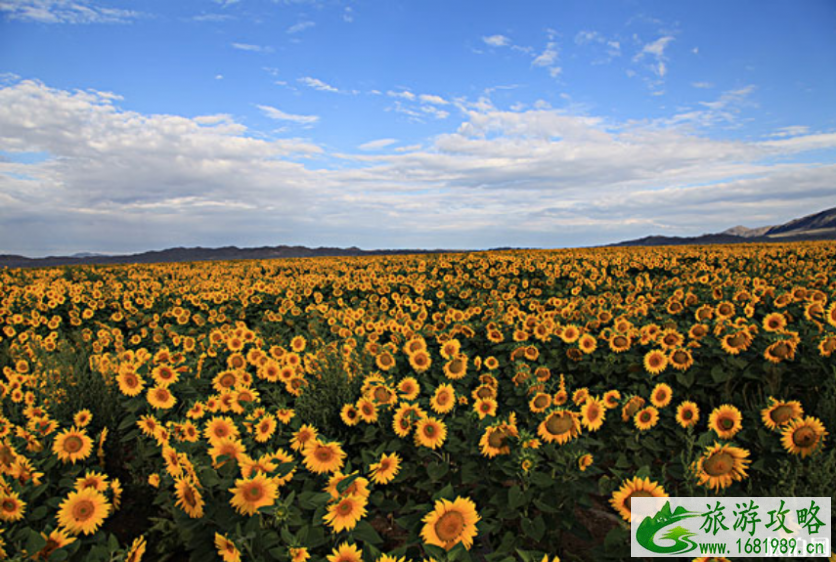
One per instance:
[(172, 255), (820, 226)]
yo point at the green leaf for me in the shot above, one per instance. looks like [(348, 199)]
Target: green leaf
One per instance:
[(346, 482), (686, 379), (534, 528), (437, 470), (516, 497), (721, 374), (446, 493), (366, 533), (35, 541)]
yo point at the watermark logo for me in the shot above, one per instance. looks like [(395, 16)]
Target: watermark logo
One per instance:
[(749, 526)]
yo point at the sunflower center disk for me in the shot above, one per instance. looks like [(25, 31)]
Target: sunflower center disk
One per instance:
[(449, 527), (719, 464), (83, 511), (72, 444), (781, 414), (804, 437), (636, 494), (559, 424)]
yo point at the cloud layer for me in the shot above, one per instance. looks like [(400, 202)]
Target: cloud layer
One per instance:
[(109, 179)]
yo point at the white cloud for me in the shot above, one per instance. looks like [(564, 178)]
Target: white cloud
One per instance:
[(64, 11), (547, 57), (252, 48), (405, 94), (318, 84), (433, 99), (301, 26), (791, 131), (702, 85), (656, 48), (280, 115), (377, 144), (116, 180), (658, 65), (496, 40), (212, 18)]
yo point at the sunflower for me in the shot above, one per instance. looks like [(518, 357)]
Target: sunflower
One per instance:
[(687, 414), (494, 441), (386, 469), (570, 334), (774, 322), (367, 410), (55, 540), (661, 395), (827, 346), (385, 361), (721, 465), (188, 498), (409, 388), (485, 407), (227, 549), (265, 428), (802, 436), (297, 344), (228, 447), (321, 457), (560, 426), (219, 428), (12, 507), (345, 513), (655, 361), (164, 375), (646, 418), (456, 368), (137, 550), (619, 343), (304, 435), (670, 339), (780, 351), (349, 415), (82, 418), (593, 413), (584, 462), (430, 432), (680, 359), (635, 488), (587, 344), (451, 523), (92, 479), (382, 394), (346, 553), (779, 413), (161, 397), (726, 421), (611, 399), (130, 383), (420, 361), (736, 342), (540, 402), (250, 494), (83, 511), (299, 554), (358, 487), (72, 445)]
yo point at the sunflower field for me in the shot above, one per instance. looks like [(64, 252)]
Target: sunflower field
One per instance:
[(493, 407)]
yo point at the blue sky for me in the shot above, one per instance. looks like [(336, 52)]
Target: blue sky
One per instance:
[(128, 126)]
